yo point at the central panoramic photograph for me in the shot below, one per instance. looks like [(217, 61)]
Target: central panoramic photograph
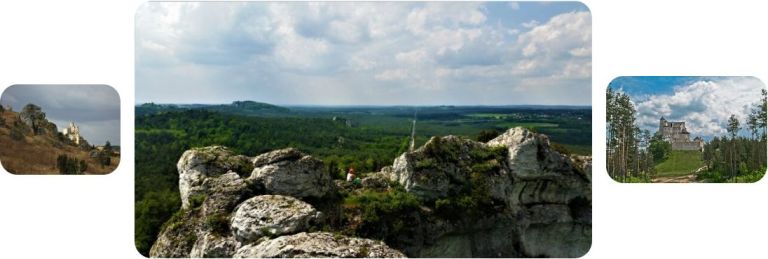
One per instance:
[(363, 129)]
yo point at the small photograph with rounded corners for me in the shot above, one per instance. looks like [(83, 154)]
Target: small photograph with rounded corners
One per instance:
[(60, 129), (686, 129)]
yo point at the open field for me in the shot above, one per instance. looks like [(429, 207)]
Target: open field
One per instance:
[(680, 162)]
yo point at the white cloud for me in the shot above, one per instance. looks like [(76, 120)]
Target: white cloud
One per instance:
[(560, 48), (380, 48), (581, 52), (412, 57), (531, 24), (704, 105), (559, 35), (295, 51), (394, 74), (514, 5), (435, 14)]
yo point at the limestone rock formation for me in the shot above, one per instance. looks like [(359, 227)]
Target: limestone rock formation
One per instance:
[(524, 198), (178, 235), (271, 215), (290, 172), (318, 244), (445, 165), (229, 205), (377, 180), (198, 164), (546, 195), (211, 245)]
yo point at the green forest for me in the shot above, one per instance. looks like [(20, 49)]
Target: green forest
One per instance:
[(638, 156), (365, 138)]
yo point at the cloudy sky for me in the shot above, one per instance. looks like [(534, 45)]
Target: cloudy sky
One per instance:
[(704, 103), (348, 53), (94, 108)]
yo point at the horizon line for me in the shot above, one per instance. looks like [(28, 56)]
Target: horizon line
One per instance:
[(373, 105)]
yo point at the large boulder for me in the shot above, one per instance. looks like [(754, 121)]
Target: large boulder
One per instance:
[(445, 166), (222, 193), (292, 173), (271, 215), (318, 244), (198, 164)]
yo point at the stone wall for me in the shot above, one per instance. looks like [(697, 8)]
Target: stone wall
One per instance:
[(692, 145)]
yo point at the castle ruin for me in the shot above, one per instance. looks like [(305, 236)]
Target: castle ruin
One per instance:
[(72, 133), (678, 136)]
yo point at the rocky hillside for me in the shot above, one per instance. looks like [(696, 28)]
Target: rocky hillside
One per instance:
[(32, 145), (510, 197), (240, 206)]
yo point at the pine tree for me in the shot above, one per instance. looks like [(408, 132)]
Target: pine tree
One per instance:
[(733, 130)]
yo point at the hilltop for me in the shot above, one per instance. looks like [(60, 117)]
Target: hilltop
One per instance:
[(512, 196), (33, 145), (251, 108)]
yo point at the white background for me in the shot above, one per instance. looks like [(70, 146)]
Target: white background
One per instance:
[(91, 42)]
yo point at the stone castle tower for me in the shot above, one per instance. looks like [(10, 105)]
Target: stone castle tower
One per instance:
[(678, 136), (72, 133)]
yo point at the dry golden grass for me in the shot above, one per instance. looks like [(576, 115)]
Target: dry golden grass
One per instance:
[(37, 154)]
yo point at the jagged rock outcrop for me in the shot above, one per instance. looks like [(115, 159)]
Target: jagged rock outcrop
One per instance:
[(318, 244), (271, 215), (547, 196), (513, 196), (230, 203), (446, 165)]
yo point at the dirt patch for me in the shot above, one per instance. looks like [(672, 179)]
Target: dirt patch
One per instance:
[(691, 178)]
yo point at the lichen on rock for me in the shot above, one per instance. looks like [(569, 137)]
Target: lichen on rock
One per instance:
[(292, 173), (271, 215), (513, 196), (198, 164), (318, 244)]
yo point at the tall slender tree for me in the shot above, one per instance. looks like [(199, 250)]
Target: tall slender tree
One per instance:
[(733, 130)]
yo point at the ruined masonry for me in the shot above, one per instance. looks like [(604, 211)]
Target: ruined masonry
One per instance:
[(678, 136), (72, 133)]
